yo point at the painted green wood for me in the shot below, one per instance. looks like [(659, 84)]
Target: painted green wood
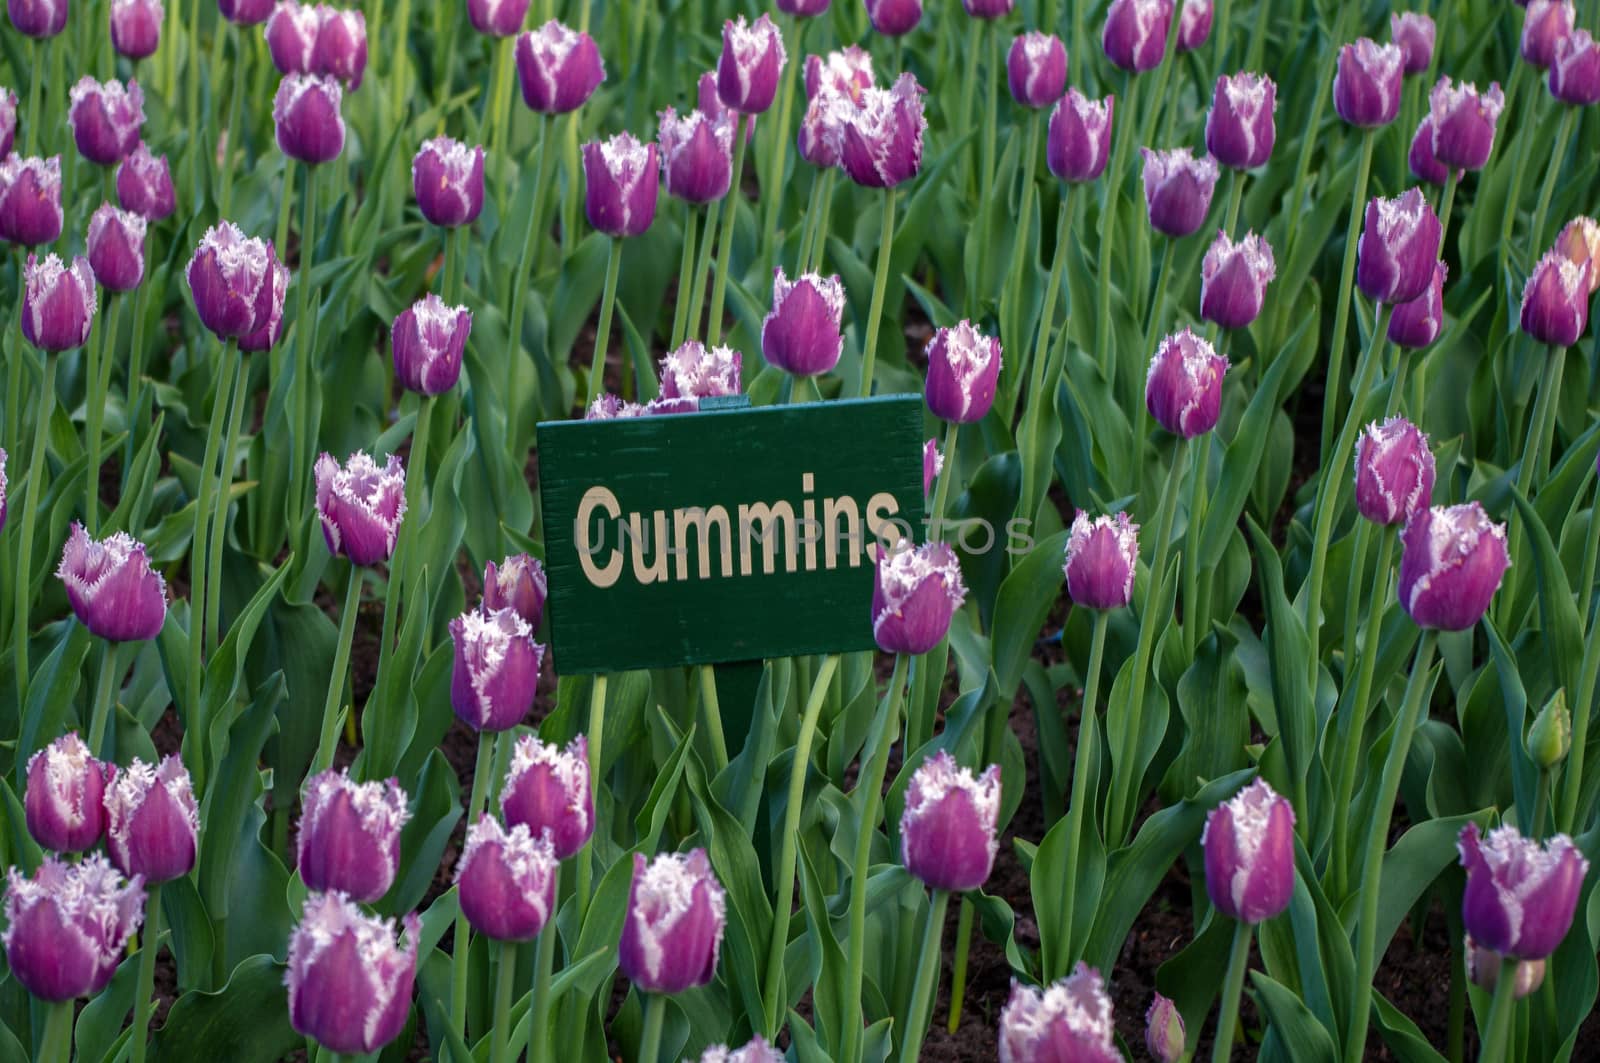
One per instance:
[(725, 535)]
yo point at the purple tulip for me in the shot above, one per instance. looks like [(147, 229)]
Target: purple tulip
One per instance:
[(1249, 851), (1194, 26), (341, 50), (105, 119), (349, 836), (693, 372), (292, 36), (802, 333), (1163, 1031), (1240, 130), (672, 931), (1555, 301), (497, 18), (988, 9), (932, 464), (113, 590), (611, 408), (361, 506), (1414, 34), (231, 280), (803, 8), (266, 334), (821, 135), (1234, 278), (947, 832), (65, 800), (1183, 390), (144, 185), (1079, 139), (30, 200), (447, 179), (711, 103), (152, 820), (58, 303), (2, 488), (38, 18), (696, 156), (245, 12), (748, 69), (428, 340), (1177, 189), (1575, 73), (963, 369), (1366, 89), (1036, 69), (506, 880), (309, 124), (1423, 163), (1394, 472), (69, 925), (758, 1050), (1464, 122), (1483, 969), (1545, 25), (1451, 561), (881, 142), (558, 68), (116, 248), (496, 673), (547, 790), (1399, 246), (893, 18), (517, 583), (350, 979), (1520, 894), (915, 594), (1579, 243), (847, 72), (136, 27), (620, 185), (1068, 1020), (1135, 35), (1417, 324), (1101, 558), (8, 121)]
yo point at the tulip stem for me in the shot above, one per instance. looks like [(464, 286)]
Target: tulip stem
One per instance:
[(941, 492), (1122, 138), (772, 191), (713, 713), (13, 435), (105, 687), (1313, 126), (532, 239), (1498, 1027), (505, 980), (880, 284), (680, 312), (597, 733), (808, 231), (993, 76), (235, 125), (1540, 441), (702, 267), (56, 1045), (227, 366), (958, 966), (133, 392), (1563, 134), (219, 514), (34, 118), (500, 99), (1163, 73), (329, 736), (1152, 324), (650, 1039), (1041, 383), (1447, 200), (1411, 712), (305, 325), (1341, 314), (539, 1005), (30, 508), (94, 410), (1232, 990), (1235, 197), (719, 291), (1061, 953), (1196, 608), (824, 216), (602, 336), (149, 945), (461, 944), (919, 1015), (402, 58), (1583, 703)]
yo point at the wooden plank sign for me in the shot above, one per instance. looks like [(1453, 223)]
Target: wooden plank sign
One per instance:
[(729, 534)]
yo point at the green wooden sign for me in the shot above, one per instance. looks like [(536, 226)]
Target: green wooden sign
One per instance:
[(731, 534)]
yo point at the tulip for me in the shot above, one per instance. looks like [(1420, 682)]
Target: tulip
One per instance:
[(144, 185), (361, 506), (1422, 162), (292, 36), (1575, 73), (1366, 89), (64, 801), (758, 1050), (1394, 472), (1163, 1031), (1579, 243), (506, 880), (1546, 24), (306, 113), (37, 18), (1549, 737), (1194, 26), (893, 18), (881, 142), (611, 408), (847, 72), (1100, 561), (1177, 190), (136, 27), (558, 68), (547, 790), (1036, 69), (1399, 247), (1234, 278), (1521, 893), (349, 979), (915, 593), (693, 372), (152, 820), (447, 179), (822, 128), (497, 18), (1451, 563), (69, 925), (267, 333), (803, 8), (245, 12), (116, 248), (349, 837), (1079, 139), (30, 200), (932, 464), (802, 333), (1484, 966), (1414, 34), (8, 121), (1240, 130), (517, 583), (621, 185), (112, 588), (1183, 390), (1068, 1020), (58, 303), (672, 930), (1555, 301), (1249, 852), (1417, 324), (1135, 35), (105, 119), (1464, 122), (947, 832), (696, 156), (988, 9), (496, 673), (963, 369), (341, 50), (748, 69), (428, 340), (231, 280)]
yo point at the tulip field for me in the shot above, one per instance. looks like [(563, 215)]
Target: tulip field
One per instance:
[(810, 530)]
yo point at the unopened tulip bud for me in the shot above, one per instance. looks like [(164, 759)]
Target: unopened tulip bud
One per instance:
[(350, 978), (1183, 389), (496, 674), (1079, 139), (112, 588), (292, 36), (506, 880), (1521, 893), (847, 72), (1484, 967), (1177, 190), (58, 303), (517, 583), (428, 340), (1545, 25), (1394, 472), (1194, 26), (152, 820), (497, 18), (547, 790), (64, 803), (1135, 35), (1451, 562), (144, 185), (620, 185), (105, 119), (1234, 279), (802, 333), (68, 927), (115, 244), (893, 18), (245, 12), (1414, 34), (447, 179), (758, 1050), (1421, 161), (947, 832), (1399, 248), (1579, 243), (1366, 89), (30, 200), (37, 18), (1163, 1031), (341, 50), (932, 464), (963, 369), (696, 156), (136, 27), (1249, 854), (694, 372), (266, 334), (231, 279), (349, 838), (672, 931), (1067, 1020), (1464, 122), (1417, 324), (558, 68), (1240, 130), (881, 145), (361, 506), (752, 60), (1575, 73), (1101, 558), (916, 593), (1550, 738), (306, 113), (1555, 301), (1036, 69)]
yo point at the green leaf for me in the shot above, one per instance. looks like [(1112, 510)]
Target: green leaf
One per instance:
[(235, 787), (1561, 626), (1306, 1038), (247, 1020), (51, 691), (1021, 607)]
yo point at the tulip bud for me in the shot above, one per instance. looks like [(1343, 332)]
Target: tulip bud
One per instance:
[(292, 36), (1520, 893), (361, 506), (113, 590), (1240, 130), (496, 674), (349, 979), (518, 583), (1101, 558), (1394, 472), (988, 9), (881, 142), (620, 185), (30, 200), (1555, 301), (1177, 189), (802, 333), (105, 119), (1423, 163), (2, 488), (65, 799), (692, 372), (915, 593), (58, 303), (847, 72), (1399, 247), (751, 61), (1249, 851), (1079, 139), (428, 340), (341, 50), (136, 27), (144, 185), (1068, 1020), (1545, 25), (822, 127), (963, 369), (947, 832), (37, 18), (1579, 243), (803, 8), (245, 12), (1413, 33), (267, 334), (1550, 738), (893, 18), (1194, 26), (1575, 73), (1451, 562), (1234, 278), (497, 18), (696, 156), (68, 926), (758, 1050), (611, 408), (1163, 1031), (1036, 69), (8, 121), (506, 880), (116, 248), (1135, 35), (1484, 967), (349, 837), (547, 790), (672, 931), (447, 179), (1183, 389), (152, 820), (1366, 89), (932, 465), (558, 68), (306, 113), (1417, 324), (1464, 122)]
